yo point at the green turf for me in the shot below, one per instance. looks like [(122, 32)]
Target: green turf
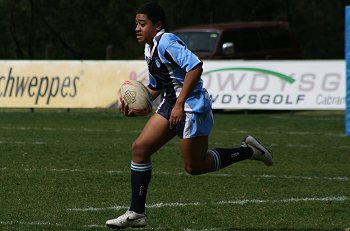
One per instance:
[(57, 164)]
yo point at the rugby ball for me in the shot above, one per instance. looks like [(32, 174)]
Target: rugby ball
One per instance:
[(136, 96)]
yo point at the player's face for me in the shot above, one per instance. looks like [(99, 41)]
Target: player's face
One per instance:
[(145, 29)]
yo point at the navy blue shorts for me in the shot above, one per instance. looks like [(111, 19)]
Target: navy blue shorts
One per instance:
[(193, 124)]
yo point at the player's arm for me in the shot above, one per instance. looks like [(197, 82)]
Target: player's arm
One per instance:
[(190, 81), (153, 93)]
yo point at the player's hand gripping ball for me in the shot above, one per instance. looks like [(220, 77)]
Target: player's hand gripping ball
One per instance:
[(136, 97)]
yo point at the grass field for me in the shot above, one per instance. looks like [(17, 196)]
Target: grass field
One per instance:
[(70, 171)]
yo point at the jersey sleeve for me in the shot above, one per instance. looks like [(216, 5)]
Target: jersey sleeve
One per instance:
[(174, 50)]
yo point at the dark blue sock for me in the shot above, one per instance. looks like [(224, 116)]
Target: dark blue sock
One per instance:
[(140, 178), (224, 157)]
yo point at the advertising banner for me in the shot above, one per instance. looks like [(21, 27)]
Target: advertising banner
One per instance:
[(276, 85), (64, 84)]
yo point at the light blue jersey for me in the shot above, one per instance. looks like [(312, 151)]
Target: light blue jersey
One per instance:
[(168, 62)]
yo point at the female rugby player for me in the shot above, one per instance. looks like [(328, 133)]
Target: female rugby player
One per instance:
[(184, 112)]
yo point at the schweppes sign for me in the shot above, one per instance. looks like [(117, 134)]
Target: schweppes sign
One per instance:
[(63, 84), (41, 89)]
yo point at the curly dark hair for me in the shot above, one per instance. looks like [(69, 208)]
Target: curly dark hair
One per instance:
[(154, 12)]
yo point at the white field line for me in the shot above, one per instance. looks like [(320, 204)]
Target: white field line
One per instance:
[(45, 223), (290, 133), (303, 146), (16, 142), (92, 226), (297, 133), (54, 224), (299, 146), (63, 170), (272, 145), (319, 117), (32, 223), (344, 147), (211, 229), (235, 202), (59, 129), (20, 142)]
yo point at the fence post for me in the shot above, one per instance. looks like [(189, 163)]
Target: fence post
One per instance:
[(49, 51), (109, 52)]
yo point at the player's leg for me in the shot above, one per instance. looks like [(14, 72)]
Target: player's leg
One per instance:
[(154, 135), (194, 154), (198, 160), (194, 148)]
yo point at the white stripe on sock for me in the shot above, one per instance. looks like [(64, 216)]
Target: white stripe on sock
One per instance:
[(141, 167)]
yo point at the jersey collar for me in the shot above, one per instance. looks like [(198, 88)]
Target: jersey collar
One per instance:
[(148, 51)]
